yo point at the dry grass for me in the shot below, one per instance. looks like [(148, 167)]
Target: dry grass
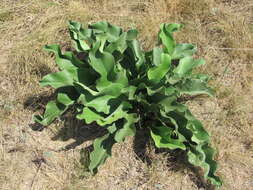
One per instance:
[(33, 160)]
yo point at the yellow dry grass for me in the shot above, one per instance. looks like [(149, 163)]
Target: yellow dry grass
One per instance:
[(223, 31)]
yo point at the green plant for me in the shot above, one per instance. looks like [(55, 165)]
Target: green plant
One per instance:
[(120, 87)]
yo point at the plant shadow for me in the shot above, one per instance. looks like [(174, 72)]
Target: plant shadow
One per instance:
[(77, 130), (177, 162), (72, 128), (176, 159), (37, 102), (81, 132), (140, 145)]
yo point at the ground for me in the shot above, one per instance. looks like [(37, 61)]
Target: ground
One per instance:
[(49, 158)]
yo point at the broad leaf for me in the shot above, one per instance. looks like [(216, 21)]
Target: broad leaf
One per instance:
[(67, 77), (89, 116), (158, 72), (102, 150), (54, 109), (194, 87), (186, 65), (165, 36), (162, 137), (183, 50), (128, 128), (202, 155)]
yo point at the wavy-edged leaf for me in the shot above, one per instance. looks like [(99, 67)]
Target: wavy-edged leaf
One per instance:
[(88, 115), (202, 77), (183, 50), (129, 91), (132, 34), (119, 44), (54, 109), (65, 61), (59, 79), (103, 63), (68, 76), (84, 89), (199, 152), (113, 32), (165, 36), (128, 128), (64, 99), (158, 72), (102, 150), (80, 36), (202, 156), (194, 87), (100, 103), (119, 113), (101, 26), (139, 57), (186, 65), (51, 113), (199, 135), (74, 25), (163, 138), (170, 104), (111, 129), (157, 52)]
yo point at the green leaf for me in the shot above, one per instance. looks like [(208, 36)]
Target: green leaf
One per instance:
[(132, 34), (81, 37), (158, 72), (54, 109), (165, 36), (186, 65), (139, 57), (89, 116), (67, 77), (121, 78), (102, 150), (129, 92), (113, 32), (64, 61), (199, 135), (202, 77), (111, 129), (162, 137), (128, 128), (84, 89), (101, 103), (157, 52), (202, 156), (101, 62), (194, 87), (183, 50), (59, 79), (74, 25), (64, 99), (118, 44), (84, 45), (119, 113), (99, 26)]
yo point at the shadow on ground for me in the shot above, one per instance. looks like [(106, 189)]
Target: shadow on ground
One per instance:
[(176, 159), (80, 132)]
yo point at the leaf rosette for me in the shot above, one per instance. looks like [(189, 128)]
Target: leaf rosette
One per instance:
[(120, 87)]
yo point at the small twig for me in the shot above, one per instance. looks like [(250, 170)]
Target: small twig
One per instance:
[(36, 174), (238, 49)]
